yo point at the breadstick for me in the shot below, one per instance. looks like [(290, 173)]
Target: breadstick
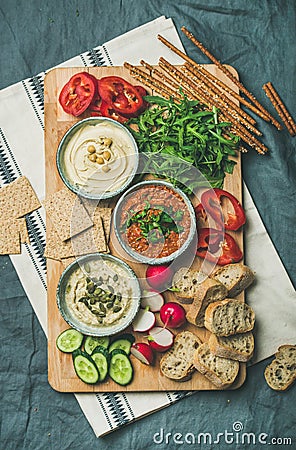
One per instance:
[(151, 82), (227, 72), (247, 120), (280, 107), (210, 94), (203, 97), (208, 75), (208, 100), (213, 78), (153, 70)]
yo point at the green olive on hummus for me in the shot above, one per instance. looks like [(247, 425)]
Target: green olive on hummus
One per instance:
[(99, 158), (99, 293)]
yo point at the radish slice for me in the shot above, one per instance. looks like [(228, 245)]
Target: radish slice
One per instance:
[(144, 321), (152, 299), (160, 339), (143, 352)]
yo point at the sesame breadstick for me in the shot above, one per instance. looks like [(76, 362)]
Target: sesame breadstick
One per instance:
[(280, 107), (227, 72)]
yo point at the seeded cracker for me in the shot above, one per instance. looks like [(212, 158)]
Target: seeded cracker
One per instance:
[(18, 199), (10, 243), (67, 261), (55, 247), (91, 240), (67, 214), (24, 235), (96, 210), (106, 215), (100, 235)]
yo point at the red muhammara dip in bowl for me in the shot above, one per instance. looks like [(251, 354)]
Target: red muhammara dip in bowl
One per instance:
[(154, 222)]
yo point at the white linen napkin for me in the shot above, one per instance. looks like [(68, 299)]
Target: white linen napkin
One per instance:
[(22, 110), (272, 296)]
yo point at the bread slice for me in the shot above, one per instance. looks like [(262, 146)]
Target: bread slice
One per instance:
[(239, 347), (222, 372), (208, 291), (236, 278), (186, 282), (228, 317), (177, 363), (281, 373)]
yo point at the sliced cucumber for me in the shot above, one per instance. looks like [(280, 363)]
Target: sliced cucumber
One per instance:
[(101, 358), (91, 342), (123, 342), (85, 367), (120, 370), (69, 340)]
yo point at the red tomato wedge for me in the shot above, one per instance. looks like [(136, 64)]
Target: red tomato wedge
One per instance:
[(121, 96), (78, 93)]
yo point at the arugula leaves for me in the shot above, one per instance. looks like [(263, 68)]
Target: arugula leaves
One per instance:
[(178, 138)]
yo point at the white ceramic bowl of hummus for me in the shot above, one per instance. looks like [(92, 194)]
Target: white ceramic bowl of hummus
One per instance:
[(97, 158), (98, 295)]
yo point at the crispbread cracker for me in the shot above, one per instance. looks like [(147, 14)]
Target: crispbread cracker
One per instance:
[(10, 243), (106, 215), (67, 213), (24, 235), (99, 235), (56, 248), (67, 261), (90, 205), (101, 209), (18, 199), (91, 240)]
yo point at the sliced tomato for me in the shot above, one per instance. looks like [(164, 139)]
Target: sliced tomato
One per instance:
[(142, 91), (95, 105), (107, 111), (121, 96), (121, 101), (78, 93)]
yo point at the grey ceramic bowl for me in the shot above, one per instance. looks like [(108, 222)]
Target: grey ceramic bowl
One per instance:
[(138, 256), (132, 161), (98, 330)]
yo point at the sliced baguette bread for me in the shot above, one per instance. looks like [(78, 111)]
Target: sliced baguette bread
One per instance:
[(208, 291), (186, 283), (228, 317), (236, 278), (281, 373), (239, 347), (177, 363), (222, 372)]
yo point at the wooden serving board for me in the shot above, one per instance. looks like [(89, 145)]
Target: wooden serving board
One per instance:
[(61, 374)]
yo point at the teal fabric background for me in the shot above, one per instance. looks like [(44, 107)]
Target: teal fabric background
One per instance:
[(258, 38)]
